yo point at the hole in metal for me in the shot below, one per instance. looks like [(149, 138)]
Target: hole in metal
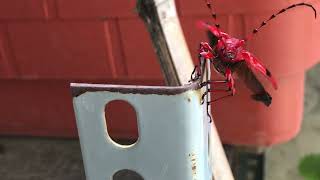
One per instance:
[(121, 121), (126, 174)]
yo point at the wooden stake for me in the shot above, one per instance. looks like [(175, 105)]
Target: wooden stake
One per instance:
[(161, 19)]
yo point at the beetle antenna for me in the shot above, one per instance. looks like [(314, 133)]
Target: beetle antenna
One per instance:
[(280, 12), (213, 14)]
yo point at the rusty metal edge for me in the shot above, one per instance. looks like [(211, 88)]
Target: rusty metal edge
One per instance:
[(80, 88)]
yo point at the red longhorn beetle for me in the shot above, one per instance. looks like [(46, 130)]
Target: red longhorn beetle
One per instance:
[(228, 55)]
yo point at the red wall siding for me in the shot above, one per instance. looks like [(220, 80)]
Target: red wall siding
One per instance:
[(37, 107), (6, 69), (89, 9), (46, 44), (27, 9)]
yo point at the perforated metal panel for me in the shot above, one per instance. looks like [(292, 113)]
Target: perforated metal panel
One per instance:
[(173, 132)]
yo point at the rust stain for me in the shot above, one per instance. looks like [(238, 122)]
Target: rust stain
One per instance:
[(193, 159), (80, 88), (199, 93), (194, 168)]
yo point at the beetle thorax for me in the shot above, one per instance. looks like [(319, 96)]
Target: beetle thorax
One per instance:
[(230, 47)]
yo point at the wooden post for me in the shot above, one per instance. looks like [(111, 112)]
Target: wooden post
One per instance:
[(167, 37), (163, 24)]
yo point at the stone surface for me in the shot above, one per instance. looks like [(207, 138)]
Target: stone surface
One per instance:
[(40, 159)]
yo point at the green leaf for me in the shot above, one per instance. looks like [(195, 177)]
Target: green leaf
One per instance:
[(309, 167)]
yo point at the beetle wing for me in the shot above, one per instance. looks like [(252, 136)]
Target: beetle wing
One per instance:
[(254, 62), (245, 73)]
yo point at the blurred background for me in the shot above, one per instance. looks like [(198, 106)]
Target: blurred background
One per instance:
[(46, 44)]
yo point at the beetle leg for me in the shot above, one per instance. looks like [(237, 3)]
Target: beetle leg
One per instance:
[(230, 81), (195, 74), (212, 82), (212, 91), (205, 53), (230, 84), (208, 113)]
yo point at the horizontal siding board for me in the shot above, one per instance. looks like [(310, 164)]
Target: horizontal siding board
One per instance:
[(27, 9), (61, 49), (69, 9)]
